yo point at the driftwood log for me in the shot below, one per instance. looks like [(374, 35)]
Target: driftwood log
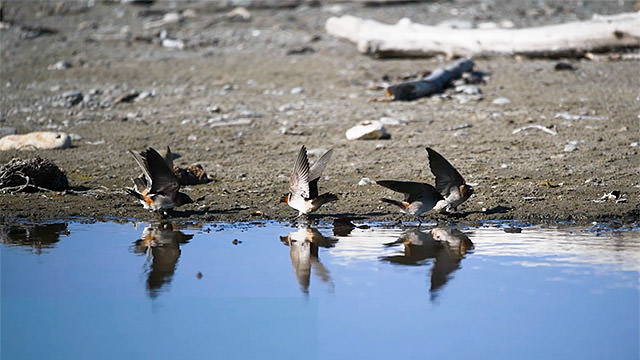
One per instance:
[(434, 83), (602, 33)]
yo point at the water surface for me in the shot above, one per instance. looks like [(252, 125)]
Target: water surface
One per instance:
[(108, 290)]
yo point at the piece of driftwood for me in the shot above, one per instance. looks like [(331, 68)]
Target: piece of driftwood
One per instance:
[(434, 83), (602, 33)]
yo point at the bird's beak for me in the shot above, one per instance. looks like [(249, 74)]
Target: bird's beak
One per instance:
[(285, 198)]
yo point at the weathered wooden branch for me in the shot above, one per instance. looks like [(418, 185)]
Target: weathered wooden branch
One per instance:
[(434, 83), (602, 33)]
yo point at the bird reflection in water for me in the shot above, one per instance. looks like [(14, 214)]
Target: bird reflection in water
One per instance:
[(161, 243), (447, 246), (34, 236), (303, 250)]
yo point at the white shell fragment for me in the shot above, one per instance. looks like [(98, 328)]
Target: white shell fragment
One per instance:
[(36, 140), (368, 130), (535, 126), (366, 181)]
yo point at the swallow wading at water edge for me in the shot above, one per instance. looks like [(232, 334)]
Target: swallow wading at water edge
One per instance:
[(158, 188), (303, 184)]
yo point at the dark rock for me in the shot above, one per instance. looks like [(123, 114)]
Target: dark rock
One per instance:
[(564, 66)]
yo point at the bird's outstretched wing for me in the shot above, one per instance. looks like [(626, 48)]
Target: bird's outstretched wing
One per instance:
[(299, 179), (446, 175)]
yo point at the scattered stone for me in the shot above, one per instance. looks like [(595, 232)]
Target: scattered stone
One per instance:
[(32, 175), (167, 19), (512, 230), (36, 140), (563, 66), (385, 120), (366, 181), (301, 50), (501, 101), (458, 127), (214, 109), (173, 44), (469, 90), (199, 275), (191, 175), (539, 127), (32, 32), (126, 98), (143, 95), (239, 14), (533, 198), (60, 65), (236, 242), (297, 90), (256, 213), (634, 144), (612, 196), (571, 146), (291, 131), (285, 108), (75, 137), (551, 184), (7, 131), (567, 116), (368, 130), (72, 98)]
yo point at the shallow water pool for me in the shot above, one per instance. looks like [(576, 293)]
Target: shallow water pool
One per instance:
[(330, 291)]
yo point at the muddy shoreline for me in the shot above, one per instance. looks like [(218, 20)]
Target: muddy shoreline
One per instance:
[(226, 100)]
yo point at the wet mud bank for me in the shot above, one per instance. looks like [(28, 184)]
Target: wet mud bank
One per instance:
[(241, 97)]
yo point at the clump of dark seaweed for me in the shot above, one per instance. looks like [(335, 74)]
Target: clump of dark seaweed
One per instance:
[(32, 175)]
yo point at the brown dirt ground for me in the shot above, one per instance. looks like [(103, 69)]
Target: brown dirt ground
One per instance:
[(250, 163)]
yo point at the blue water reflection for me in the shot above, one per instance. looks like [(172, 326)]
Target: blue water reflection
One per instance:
[(270, 290)]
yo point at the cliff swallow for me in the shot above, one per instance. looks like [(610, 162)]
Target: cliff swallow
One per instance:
[(449, 182), (303, 184), (419, 197), (158, 188), (304, 245)]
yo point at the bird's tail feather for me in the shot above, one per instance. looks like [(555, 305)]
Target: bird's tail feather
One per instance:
[(134, 193), (401, 204), (325, 198)]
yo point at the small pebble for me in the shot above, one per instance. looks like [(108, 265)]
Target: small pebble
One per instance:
[(571, 146), (60, 65), (501, 101), (297, 90), (564, 66), (236, 242), (366, 181), (469, 90)]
